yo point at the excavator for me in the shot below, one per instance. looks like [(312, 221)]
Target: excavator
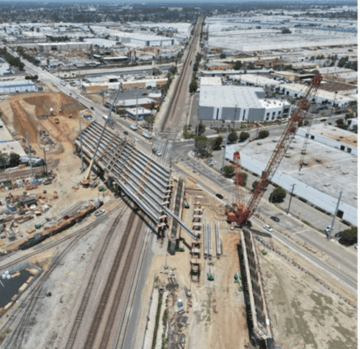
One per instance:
[(85, 182), (238, 214)]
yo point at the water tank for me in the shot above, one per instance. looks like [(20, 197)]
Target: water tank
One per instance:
[(179, 303)]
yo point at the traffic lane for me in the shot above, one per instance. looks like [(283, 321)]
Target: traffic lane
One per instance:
[(313, 238), (333, 271)]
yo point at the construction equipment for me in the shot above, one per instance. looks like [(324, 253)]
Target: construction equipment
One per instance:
[(240, 215), (85, 181), (56, 120), (210, 274), (70, 116)]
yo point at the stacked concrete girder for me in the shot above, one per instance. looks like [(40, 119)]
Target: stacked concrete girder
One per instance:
[(217, 238), (260, 316), (141, 178)]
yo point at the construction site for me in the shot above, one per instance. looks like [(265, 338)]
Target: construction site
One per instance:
[(127, 251)]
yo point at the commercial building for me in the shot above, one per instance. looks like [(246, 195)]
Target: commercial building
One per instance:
[(138, 113), (63, 46), (17, 86), (146, 103), (218, 66), (239, 103)]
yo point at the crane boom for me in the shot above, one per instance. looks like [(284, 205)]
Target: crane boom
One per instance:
[(302, 108)]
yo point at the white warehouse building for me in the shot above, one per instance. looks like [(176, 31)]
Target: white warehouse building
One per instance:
[(17, 86), (239, 103), (299, 90)]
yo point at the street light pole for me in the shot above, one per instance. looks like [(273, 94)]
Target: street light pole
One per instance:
[(291, 195), (226, 140)]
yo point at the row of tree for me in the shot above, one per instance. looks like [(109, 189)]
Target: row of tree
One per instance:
[(29, 58), (14, 61), (11, 160)]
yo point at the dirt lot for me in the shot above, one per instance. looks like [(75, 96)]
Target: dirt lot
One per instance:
[(305, 314), (27, 114)]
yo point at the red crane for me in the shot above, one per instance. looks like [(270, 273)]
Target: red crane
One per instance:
[(240, 214)]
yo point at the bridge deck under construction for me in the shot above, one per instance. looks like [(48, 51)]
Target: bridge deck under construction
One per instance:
[(140, 177)]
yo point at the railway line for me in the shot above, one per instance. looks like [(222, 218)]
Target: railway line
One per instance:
[(15, 338), (50, 245), (181, 86), (113, 292)]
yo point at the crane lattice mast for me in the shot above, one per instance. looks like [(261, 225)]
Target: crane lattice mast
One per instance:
[(241, 215)]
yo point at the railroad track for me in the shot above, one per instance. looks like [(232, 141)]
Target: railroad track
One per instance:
[(15, 338), (179, 83), (85, 300), (109, 285), (55, 243)]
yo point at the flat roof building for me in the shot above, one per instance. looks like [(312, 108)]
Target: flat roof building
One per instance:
[(239, 103), (63, 46), (17, 86), (210, 81)]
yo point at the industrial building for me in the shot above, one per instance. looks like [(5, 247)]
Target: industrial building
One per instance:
[(63, 46), (254, 80), (239, 103), (298, 90), (321, 178), (17, 86), (210, 81), (332, 136), (138, 113)]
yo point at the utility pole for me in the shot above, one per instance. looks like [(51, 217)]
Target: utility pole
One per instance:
[(334, 216), (81, 146), (29, 150), (226, 140), (137, 107), (46, 169), (291, 195)]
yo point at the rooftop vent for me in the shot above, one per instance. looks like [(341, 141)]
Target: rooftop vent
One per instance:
[(318, 160), (329, 166), (291, 147), (327, 184), (258, 143), (345, 172)]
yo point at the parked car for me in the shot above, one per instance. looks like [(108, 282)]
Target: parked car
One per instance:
[(136, 139), (355, 246), (126, 133), (158, 153), (91, 108), (219, 196), (267, 227), (88, 117), (99, 212), (274, 218)]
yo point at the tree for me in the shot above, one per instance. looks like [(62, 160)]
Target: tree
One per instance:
[(244, 136), (14, 159), (222, 55), (349, 116), (355, 128), (193, 86), (186, 132), (263, 134), (216, 143), (201, 129), (173, 70), (3, 159), (232, 136), (202, 146), (342, 126), (244, 178), (255, 184), (237, 65), (339, 122), (228, 170), (278, 195), (349, 236)]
